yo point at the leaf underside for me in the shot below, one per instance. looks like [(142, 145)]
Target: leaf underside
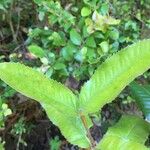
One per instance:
[(58, 101), (130, 133), (113, 75), (141, 93)]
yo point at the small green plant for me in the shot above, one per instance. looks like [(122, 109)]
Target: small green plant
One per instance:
[(74, 39), (71, 113), (18, 130), (55, 143), (4, 112)]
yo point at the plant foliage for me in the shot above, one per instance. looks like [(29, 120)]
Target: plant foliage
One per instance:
[(113, 75), (141, 93), (58, 101), (129, 133), (64, 108)]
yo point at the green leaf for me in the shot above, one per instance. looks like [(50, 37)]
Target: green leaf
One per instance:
[(102, 22), (90, 25), (78, 56), (81, 55), (36, 50), (130, 133), (59, 66), (85, 32), (2, 7), (91, 42), (68, 51), (58, 101), (112, 21), (142, 95), (41, 15), (85, 11), (57, 39), (113, 76), (38, 1), (7, 112), (114, 34), (84, 52), (104, 8), (104, 46), (75, 37)]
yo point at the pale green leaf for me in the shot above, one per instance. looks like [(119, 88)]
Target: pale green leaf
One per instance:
[(90, 25), (84, 51), (2, 7), (4, 106), (58, 101), (103, 21), (112, 21), (130, 133), (104, 46), (41, 15), (85, 11), (113, 76), (7, 112)]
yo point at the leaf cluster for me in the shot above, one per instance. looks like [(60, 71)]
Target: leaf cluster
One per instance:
[(69, 111)]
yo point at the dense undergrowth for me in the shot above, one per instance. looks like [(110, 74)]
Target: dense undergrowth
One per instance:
[(67, 41)]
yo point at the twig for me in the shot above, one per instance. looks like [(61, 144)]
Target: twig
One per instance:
[(18, 143), (18, 23), (11, 24), (92, 142)]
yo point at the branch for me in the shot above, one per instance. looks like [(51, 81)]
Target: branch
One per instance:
[(92, 142)]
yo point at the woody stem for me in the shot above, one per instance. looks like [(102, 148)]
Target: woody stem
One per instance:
[(92, 142)]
